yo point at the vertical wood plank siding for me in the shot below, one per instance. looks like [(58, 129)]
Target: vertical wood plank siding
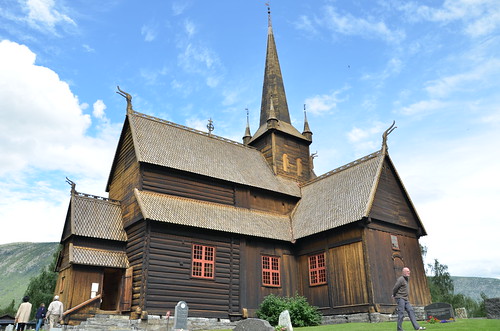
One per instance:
[(384, 272), (135, 253), (169, 273), (390, 204), (126, 177)]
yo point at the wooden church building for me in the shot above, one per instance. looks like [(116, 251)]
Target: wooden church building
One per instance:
[(220, 224)]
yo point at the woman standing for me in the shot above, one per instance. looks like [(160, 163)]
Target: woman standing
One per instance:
[(40, 316), (23, 314)]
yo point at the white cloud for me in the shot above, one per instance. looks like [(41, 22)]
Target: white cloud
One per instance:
[(422, 107), (366, 28), (178, 7), (149, 32), (190, 28), (44, 14), (479, 17), (455, 186), (323, 104), (99, 108), (45, 137)]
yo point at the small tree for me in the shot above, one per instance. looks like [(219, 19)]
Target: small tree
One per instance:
[(9, 310), (41, 287), (440, 284)]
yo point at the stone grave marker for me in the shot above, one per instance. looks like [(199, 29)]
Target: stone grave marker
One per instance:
[(284, 320), (9, 327), (461, 313), (181, 316), (439, 310), (253, 324), (492, 306)]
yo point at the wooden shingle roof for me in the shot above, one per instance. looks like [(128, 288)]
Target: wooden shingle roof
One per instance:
[(339, 197), (96, 217), (213, 216), (97, 257), (174, 146)]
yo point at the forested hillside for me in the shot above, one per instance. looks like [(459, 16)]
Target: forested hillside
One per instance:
[(18, 263), (473, 286)]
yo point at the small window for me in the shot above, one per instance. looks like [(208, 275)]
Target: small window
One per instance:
[(271, 271), (203, 261), (394, 243), (299, 167), (317, 269), (285, 162), (61, 285)]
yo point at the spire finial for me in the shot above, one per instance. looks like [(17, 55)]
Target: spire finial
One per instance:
[(307, 131), (384, 136), (128, 97), (210, 126), (73, 185), (247, 136), (269, 22)]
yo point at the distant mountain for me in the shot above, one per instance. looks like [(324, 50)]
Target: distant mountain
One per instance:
[(18, 263), (473, 286)]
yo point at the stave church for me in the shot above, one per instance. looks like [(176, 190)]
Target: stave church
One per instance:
[(194, 217)]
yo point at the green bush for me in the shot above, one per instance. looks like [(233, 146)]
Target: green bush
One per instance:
[(301, 312)]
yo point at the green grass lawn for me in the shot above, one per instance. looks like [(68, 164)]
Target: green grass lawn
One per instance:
[(461, 324), (458, 325)]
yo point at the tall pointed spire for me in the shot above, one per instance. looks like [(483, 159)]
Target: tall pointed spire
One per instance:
[(248, 135), (273, 82), (307, 131)]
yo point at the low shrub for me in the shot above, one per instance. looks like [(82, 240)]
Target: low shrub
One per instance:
[(301, 312)]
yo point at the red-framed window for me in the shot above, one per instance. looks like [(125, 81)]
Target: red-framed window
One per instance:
[(271, 271), (317, 269), (203, 261)]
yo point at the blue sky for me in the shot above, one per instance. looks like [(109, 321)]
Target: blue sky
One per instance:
[(432, 66)]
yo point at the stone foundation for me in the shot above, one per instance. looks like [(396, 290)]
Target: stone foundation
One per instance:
[(160, 323)]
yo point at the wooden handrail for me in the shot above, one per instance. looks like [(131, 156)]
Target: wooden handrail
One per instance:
[(83, 304)]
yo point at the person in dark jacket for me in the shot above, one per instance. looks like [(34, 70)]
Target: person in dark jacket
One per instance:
[(400, 293), (40, 316)]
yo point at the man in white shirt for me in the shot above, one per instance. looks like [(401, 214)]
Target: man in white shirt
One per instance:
[(55, 312)]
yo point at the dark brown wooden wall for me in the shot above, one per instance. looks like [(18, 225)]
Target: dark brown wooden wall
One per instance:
[(168, 181), (173, 182), (125, 177), (390, 203), (169, 273), (385, 264), (137, 255), (253, 290), (347, 289)]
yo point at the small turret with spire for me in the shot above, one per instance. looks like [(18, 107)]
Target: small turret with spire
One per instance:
[(248, 135), (307, 131)]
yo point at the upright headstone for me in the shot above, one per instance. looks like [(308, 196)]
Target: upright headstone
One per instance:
[(181, 316), (492, 307), (284, 320), (9, 327), (461, 312), (253, 324), (439, 310)]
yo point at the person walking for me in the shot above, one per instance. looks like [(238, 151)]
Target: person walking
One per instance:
[(55, 312), (23, 314), (40, 316), (400, 293)]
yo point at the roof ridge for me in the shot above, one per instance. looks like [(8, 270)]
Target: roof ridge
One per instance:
[(95, 197), (186, 128), (344, 167)]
